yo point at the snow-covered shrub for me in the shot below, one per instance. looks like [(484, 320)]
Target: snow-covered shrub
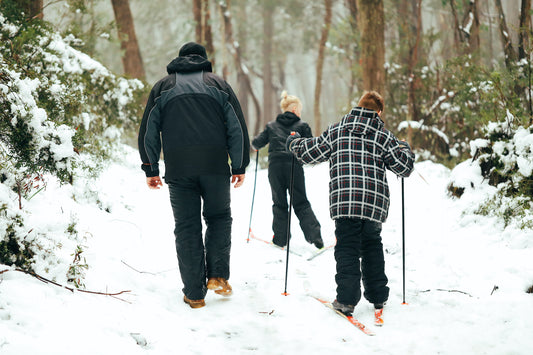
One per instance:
[(502, 160), (61, 113), (453, 101)]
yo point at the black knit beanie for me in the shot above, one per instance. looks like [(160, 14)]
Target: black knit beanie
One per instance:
[(192, 48)]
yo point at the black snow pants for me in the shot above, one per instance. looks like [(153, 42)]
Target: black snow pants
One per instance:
[(279, 176), (198, 261), (359, 252)]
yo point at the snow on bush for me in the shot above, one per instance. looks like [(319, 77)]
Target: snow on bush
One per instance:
[(501, 167), (62, 115)]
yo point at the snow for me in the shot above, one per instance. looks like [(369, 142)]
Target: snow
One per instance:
[(466, 277)]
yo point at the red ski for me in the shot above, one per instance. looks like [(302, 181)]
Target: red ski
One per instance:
[(350, 319)]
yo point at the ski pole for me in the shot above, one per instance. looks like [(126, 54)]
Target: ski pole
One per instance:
[(403, 241), (253, 196), (291, 185)]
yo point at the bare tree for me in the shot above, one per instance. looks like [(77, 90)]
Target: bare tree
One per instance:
[(508, 50), (525, 29), (131, 56), (355, 53), (203, 33), (320, 64), (268, 31), (235, 51), (372, 27)]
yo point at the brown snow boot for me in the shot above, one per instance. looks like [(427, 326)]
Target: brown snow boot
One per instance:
[(194, 303), (219, 285)]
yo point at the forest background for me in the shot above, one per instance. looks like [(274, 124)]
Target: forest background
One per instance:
[(75, 74), (445, 66)]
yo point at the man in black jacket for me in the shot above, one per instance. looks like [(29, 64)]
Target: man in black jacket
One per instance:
[(195, 117)]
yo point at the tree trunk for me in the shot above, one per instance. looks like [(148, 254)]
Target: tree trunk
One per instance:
[(202, 28), (410, 21), (268, 30), (467, 34), (320, 65), (242, 35), (208, 34), (372, 27), (241, 68), (458, 36), (471, 27), (197, 14), (131, 56), (525, 30), (355, 80), (32, 8), (508, 50)]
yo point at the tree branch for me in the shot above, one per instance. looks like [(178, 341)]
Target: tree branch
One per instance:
[(45, 280)]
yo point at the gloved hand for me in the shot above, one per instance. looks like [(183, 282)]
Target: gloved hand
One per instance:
[(404, 144), (290, 138)]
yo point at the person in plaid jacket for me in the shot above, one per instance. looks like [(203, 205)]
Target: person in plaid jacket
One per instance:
[(359, 150)]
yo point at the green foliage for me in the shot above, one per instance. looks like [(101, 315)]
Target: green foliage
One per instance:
[(77, 269), (504, 159), (453, 101), (13, 250), (60, 112)]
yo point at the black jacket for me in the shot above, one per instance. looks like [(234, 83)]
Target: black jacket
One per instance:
[(196, 118), (276, 133)]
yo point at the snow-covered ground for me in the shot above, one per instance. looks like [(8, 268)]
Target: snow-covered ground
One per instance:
[(466, 279)]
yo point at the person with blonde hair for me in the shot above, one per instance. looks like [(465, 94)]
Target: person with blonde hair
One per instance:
[(360, 150), (279, 169)]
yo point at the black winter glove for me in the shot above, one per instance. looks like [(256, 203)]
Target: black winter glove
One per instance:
[(404, 144), (290, 138)]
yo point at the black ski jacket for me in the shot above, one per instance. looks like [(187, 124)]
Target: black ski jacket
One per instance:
[(276, 133), (195, 117)]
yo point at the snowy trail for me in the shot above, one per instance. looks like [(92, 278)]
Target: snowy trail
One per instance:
[(453, 263)]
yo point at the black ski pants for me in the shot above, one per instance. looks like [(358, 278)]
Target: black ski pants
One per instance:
[(198, 261), (279, 176), (359, 252)]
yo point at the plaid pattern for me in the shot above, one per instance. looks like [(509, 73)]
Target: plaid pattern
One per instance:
[(359, 150)]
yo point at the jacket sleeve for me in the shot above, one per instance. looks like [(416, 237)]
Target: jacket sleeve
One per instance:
[(399, 158), (306, 131), (237, 134), (312, 150), (261, 140), (149, 140)]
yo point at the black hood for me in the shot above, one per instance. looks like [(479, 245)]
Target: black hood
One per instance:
[(287, 118), (189, 63)]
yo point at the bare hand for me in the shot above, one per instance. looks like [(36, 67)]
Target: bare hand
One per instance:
[(239, 179), (154, 182)]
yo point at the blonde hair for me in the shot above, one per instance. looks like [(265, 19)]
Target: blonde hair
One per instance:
[(288, 101)]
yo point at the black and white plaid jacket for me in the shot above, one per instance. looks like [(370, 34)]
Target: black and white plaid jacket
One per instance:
[(359, 150)]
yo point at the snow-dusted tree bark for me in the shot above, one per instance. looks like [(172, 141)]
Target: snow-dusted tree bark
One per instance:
[(320, 64), (372, 27), (131, 56), (466, 34)]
